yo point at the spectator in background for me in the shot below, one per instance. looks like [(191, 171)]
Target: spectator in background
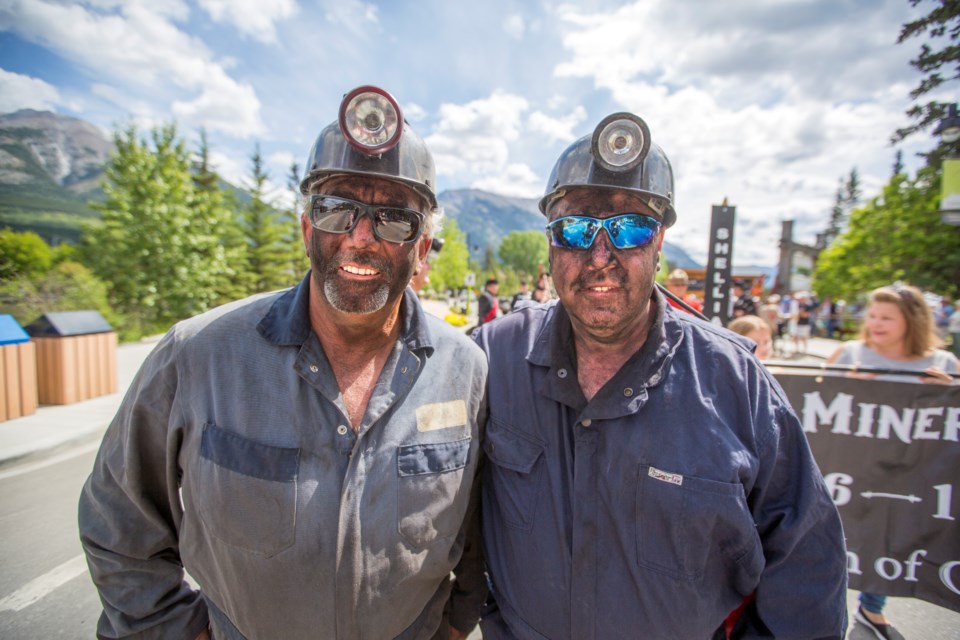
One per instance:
[(520, 296), (804, 322), (420, 280), (743, 302), (898, 332), (677, 283), (487, 303), (758, 330), (770, 312)]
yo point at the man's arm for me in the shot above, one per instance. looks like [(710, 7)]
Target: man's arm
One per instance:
[(803, 587), (129, 514)]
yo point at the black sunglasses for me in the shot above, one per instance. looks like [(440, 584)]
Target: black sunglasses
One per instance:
[(341, 215)]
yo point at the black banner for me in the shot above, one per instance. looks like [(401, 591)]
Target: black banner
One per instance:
[(716, 289), (890, 454)]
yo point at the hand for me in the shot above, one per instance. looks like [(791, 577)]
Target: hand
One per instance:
[(204, 635), (936, 376)]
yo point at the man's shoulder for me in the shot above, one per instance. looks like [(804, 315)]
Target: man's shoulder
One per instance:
[(516, 330), (227, 319)]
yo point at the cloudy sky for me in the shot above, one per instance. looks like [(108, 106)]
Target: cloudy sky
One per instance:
[(768, 103)]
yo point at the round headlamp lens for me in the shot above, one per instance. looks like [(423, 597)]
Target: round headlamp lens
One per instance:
[(621, 142), (371, 120)]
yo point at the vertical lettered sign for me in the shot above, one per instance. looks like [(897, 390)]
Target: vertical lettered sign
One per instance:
[(719, 265)]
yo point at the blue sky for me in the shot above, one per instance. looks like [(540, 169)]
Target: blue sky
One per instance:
[(766, 102)]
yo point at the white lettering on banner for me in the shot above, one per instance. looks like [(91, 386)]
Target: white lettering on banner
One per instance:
[(946, 577), (837, 485), (721, 247), (891, 569), (720, 263), (723, 233), (908, 424)]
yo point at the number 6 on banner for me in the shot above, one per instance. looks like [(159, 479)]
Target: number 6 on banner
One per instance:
[(837, 484)]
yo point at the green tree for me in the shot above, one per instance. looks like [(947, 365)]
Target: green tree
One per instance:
[(292, 238), (23, 254), (938, 61), (896, 236), (157, 267), (524, 251), (449, 268), (266, 257), (215, 232)]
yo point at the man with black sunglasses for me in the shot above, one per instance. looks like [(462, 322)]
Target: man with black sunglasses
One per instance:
[(645, 474), (308, 456)]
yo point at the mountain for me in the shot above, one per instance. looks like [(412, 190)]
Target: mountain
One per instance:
[(51, 167)]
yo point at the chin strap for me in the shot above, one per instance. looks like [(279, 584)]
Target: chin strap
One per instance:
[(680, 303)]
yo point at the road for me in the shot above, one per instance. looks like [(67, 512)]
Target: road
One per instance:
[(45, 591)]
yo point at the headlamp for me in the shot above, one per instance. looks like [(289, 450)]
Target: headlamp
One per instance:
[(620, 142), (371, 120)]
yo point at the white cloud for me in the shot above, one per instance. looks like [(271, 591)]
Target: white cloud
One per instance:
[(412, 112), (18, 91), (253, 18), (470, 141), (144, 55), (517, 180), (557, 129), (513, 26)]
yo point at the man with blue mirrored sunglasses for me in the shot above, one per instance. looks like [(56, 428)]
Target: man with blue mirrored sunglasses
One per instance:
[(645, 474)]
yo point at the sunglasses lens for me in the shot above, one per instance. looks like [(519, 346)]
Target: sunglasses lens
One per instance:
[(573, 232), (333, 215), (397, 225), (632, 230)]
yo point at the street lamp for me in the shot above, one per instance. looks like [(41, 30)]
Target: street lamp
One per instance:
[(949, 127), (949, 131)]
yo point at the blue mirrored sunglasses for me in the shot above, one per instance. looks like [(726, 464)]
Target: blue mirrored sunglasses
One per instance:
[(627, 231)]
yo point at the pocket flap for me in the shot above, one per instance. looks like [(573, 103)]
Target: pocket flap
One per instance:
[(511, 450), (420, 459), (250, 458)]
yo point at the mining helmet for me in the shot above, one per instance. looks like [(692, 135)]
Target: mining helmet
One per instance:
[(371, 138), (619, 155)]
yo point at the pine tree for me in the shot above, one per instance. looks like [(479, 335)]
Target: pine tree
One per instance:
[(216, 230), (898, 162), (940, 52), (266, 257), (297, 261), (144, 247)]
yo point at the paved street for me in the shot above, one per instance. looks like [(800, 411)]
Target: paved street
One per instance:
[(44, 589)]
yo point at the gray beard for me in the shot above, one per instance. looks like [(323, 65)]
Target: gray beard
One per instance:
[(352, 299)]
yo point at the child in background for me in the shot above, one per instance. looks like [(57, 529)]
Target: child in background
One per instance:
[(757, 329)]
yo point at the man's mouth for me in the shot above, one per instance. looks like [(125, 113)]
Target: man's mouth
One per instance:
[(359, 271), (600, 289)]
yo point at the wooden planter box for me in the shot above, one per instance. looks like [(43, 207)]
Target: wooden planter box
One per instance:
[(18, 380), (76, 356), (75, 368)]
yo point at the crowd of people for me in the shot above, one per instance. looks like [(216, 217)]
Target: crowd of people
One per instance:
[(312, 457)]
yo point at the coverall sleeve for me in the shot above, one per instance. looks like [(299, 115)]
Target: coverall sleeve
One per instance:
[(803, 587), (130, 513)]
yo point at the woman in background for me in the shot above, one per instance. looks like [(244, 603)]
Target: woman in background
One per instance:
[(898, 332), (758, 330)]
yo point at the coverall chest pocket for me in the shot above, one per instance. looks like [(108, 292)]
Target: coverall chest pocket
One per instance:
[(247, 491), (432, 496), (514, 475), (684, 523)]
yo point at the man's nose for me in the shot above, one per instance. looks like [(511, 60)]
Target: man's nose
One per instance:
[(601, 251), (362, 233)]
